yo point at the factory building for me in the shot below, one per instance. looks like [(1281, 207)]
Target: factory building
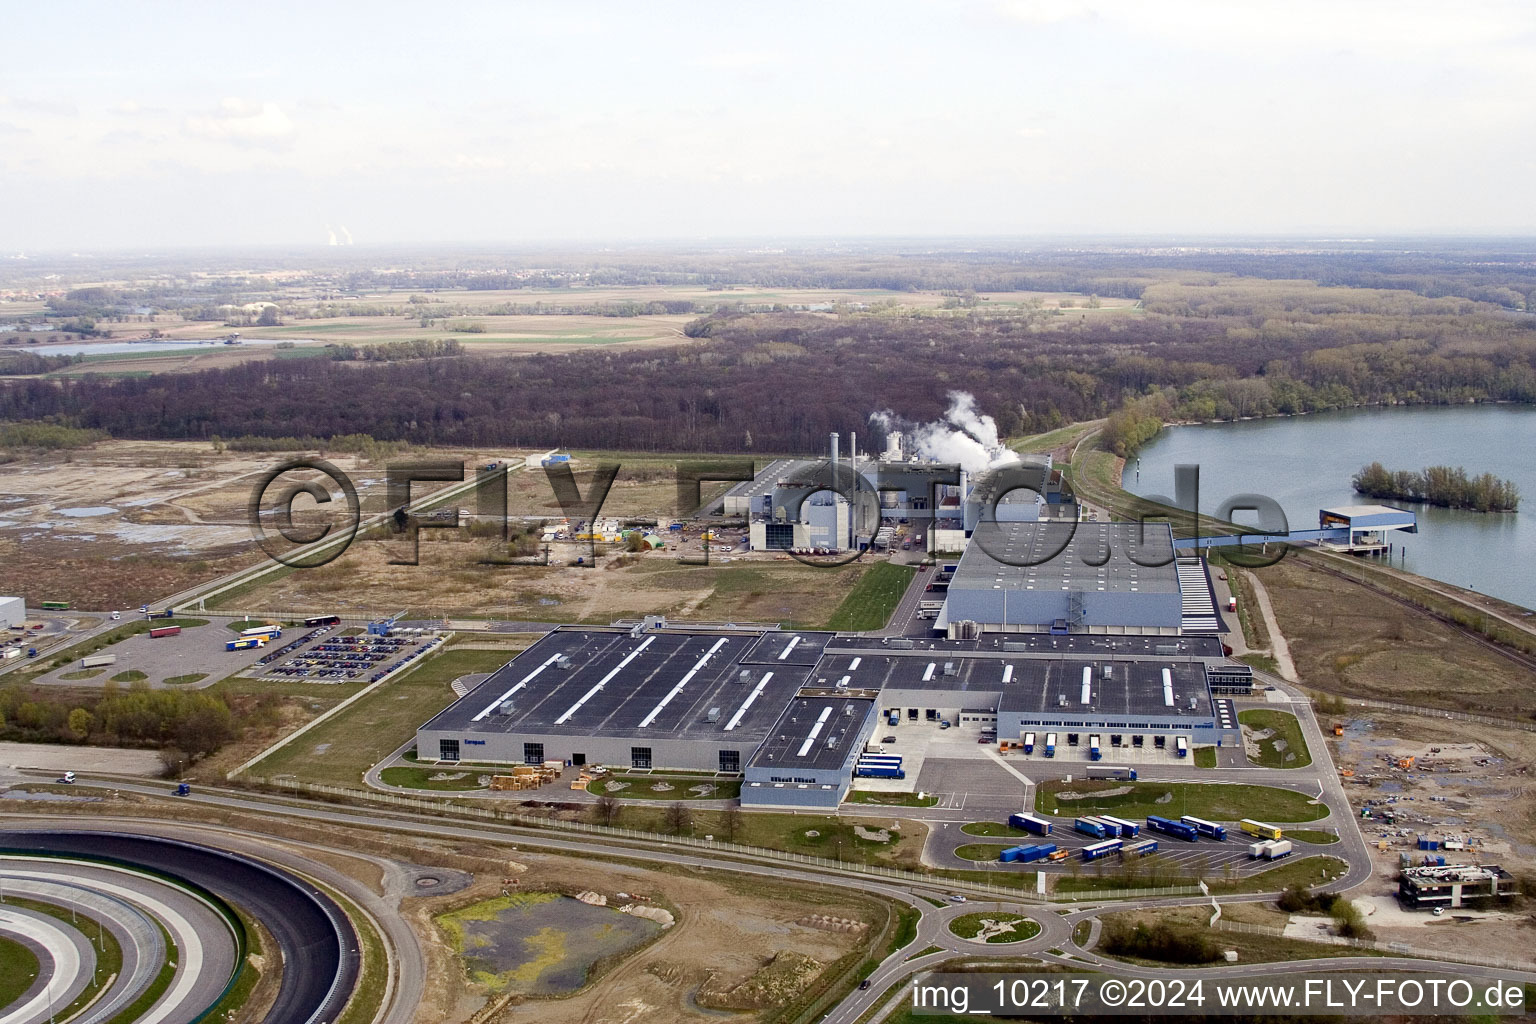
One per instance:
[(13, 612), (807, 759), (1066, 577), (791, 712), (629, 698)]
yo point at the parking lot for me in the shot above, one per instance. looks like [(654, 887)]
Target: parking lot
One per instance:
[(195, 651), (328, 655)]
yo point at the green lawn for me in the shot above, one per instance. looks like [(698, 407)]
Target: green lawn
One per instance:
[(661, 787), (1306, 871), (834, 838), (1287, 730), (995, 829), (1312, 835), (18, 966), (342, 748), (872, 600), (871, 796), (84, 673), (1217, 801), (190, 677), (979, 851), (1205, 757), (412, 777), (968, 926), (131, 675)]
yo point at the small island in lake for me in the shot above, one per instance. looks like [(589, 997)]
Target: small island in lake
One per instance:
[(1446, 486)]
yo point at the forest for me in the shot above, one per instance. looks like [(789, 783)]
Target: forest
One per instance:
[(1199, 347), (1445, 486)]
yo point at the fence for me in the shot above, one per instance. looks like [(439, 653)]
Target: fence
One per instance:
[(580, 828), (1460, 716), (1399, 948)]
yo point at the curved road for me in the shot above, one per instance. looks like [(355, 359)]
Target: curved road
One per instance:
[(320, 959)]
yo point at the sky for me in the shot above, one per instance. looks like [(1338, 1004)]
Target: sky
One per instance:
[(154, 125)]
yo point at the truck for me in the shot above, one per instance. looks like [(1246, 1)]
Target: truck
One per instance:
[(1183, 747), (1093, 748), (1089, 827), (98, 660), (183, 789), (11, 652), (1030, 823), (164, 631), (1029, 743), (244, 643), (1103, 849), (323, 620), (1209, 829), (268, 632), (1140, 849), (1270, 849), (1169, 827), (1127, 828), (893, 717), (159, 613), (1028, 854), (1260, 829), (1111, 830), (1050, 744), (1128, 774), (879, 770)]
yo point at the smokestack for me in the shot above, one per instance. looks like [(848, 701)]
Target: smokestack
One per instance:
[(853, 449), (834, 455)]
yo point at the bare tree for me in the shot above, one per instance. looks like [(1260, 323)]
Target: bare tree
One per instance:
[(607, 810), (730, 823), (678, 817)]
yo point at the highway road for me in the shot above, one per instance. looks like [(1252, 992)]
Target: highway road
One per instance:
[(1056, 927)]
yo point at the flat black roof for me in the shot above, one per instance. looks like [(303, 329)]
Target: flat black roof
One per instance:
[(1068, 555), (787, 648), (814, 733), (659, 684)]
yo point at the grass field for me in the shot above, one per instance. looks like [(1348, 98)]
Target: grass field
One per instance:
[(873, 598), (1250, 948), (411, 777), (341, 749), (661, 787), (968, 926), (995, 829), (1286, 748), (833, 838), (870, 796), (18, 966), (1172, 799), (980, 851), (1205, 757), (1312, 835)]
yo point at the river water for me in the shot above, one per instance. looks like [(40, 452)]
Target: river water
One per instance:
[(1305, 463)]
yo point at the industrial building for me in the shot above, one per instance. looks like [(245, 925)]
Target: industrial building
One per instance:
[(13, 612), (1073, 577), (791, 711), (1452, 885), (629, 698), (1363, 529)]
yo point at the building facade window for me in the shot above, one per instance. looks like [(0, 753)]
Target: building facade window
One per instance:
[(533, 753), (639, 757), (730, 760), (447, 750)]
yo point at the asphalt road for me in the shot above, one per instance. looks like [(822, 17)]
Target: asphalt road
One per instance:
[(319, 945)]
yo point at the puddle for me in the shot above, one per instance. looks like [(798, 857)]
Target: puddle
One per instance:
[(87, 511), (540, 943)]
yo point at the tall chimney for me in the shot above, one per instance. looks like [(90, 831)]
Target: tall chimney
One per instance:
[(834, 456), (853, 449)]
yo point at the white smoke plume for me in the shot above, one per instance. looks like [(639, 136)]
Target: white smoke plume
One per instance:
[(332, 233), (345, 234), (965, 435)]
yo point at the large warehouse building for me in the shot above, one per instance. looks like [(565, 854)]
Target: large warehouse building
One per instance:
[(13, 612), (1067, 577), (791, 711)]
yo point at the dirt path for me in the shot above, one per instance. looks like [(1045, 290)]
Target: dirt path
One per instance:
[(1279, 648)]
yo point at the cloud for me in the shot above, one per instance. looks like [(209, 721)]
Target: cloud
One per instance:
[(240, 120)]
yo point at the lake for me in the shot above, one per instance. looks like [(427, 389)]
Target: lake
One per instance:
[(1305, 463)]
